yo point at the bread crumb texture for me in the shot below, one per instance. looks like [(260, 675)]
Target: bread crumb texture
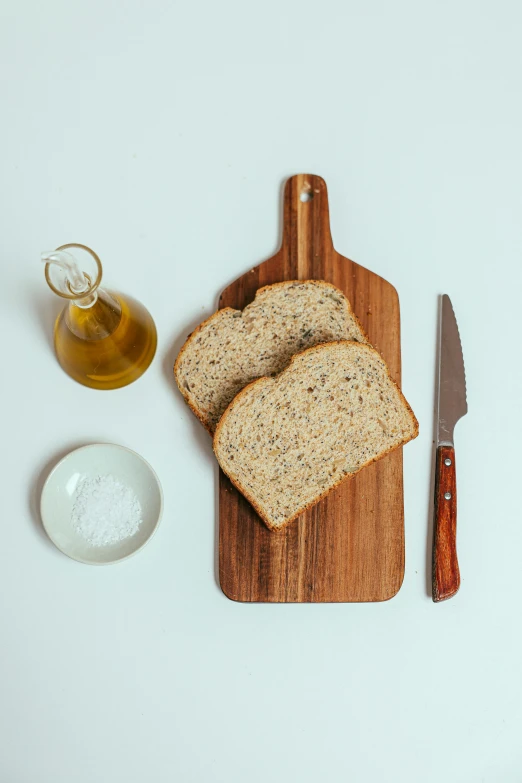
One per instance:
[(233, 347), (285, 442)]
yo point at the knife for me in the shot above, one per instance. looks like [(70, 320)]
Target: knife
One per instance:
[(451, 406)]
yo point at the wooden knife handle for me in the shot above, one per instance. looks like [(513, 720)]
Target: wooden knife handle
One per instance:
[(446, 574)]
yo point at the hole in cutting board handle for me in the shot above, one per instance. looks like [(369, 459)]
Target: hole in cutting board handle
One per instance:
[(306, 195)]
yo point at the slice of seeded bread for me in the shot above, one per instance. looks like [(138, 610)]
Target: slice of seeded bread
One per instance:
[(233, 347), (285, 442)]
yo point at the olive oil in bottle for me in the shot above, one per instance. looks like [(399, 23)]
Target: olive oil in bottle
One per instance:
[(102, 339)]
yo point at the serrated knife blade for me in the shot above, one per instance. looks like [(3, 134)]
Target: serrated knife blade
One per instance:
[(451, 393)]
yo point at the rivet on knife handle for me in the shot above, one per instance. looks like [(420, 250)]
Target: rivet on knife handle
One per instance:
[(446, 575)]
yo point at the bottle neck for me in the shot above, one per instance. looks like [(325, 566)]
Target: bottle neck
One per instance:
[(96, 320), (75, 277), (84, 303)]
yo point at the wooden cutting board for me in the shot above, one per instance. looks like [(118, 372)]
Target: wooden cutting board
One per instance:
[(350, 546)]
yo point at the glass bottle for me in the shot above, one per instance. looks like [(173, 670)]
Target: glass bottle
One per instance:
[(102, 339)]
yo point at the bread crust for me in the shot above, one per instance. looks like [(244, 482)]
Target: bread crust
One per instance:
[(184, 347), (192, 336), (265, 380)]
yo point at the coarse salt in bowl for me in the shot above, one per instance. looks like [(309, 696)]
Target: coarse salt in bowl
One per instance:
[(101, 503)]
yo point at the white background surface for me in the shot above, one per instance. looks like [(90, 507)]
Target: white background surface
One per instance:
[(159, 133)]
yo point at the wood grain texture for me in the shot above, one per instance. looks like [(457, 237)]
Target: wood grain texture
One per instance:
[(350, 546), (446, 574)]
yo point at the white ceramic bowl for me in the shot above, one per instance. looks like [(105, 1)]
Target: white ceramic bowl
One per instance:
[(87, 462)]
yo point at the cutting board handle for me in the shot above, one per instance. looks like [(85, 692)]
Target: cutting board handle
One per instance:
[(306, 232)]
